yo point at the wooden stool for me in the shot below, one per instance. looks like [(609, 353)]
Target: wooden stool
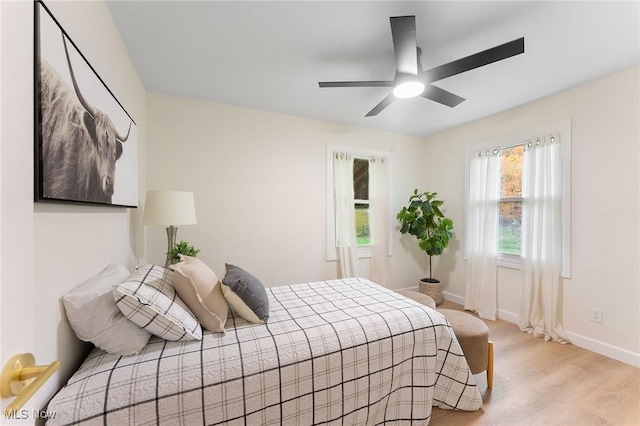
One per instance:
[(473, 336)]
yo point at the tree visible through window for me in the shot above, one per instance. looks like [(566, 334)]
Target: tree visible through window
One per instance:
[(361, 197), (510, 200)]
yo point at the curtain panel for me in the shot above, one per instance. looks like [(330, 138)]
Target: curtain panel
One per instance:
[(540, 308), (482, 231), (379, 218), (345, 214)]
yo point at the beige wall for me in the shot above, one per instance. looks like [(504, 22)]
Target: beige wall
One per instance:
[(259, 180), (605, 210), (48, 249)]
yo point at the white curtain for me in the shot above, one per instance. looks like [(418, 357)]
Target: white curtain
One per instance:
[(345, 214), (379, 218), (482, 231), (540, 308)]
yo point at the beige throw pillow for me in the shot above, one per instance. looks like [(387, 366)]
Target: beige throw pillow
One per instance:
[(199, 287)]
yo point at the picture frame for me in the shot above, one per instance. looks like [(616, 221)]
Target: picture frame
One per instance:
[(85, 140)]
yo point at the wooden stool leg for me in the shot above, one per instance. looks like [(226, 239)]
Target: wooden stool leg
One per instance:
[(490, 366)]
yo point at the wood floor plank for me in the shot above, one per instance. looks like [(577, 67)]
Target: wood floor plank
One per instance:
[(545, 383)]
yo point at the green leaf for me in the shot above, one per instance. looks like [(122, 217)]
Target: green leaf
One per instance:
[(426, 208), (405, 227)]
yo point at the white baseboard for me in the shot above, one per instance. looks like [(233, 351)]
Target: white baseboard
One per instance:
[(453, 298), (605, 349), (502, 314), (579, 340), (508, 316)]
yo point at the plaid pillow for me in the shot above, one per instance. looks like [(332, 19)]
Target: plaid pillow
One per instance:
[(149, 299)]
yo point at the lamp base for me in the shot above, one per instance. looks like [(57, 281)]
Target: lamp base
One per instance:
[(172, 231)]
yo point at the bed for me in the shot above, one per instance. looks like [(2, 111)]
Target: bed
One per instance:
[(333, 352)]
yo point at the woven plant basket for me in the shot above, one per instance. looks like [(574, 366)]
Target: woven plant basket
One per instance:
[(432, 289)]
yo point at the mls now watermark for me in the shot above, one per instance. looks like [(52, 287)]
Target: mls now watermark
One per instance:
[(29, 414)]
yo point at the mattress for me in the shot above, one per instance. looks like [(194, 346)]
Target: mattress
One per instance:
[(333, 352)]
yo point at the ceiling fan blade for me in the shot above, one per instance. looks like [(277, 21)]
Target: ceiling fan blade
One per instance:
[(477, 60), (355, 83), (403, 32), (382, 105), (441, 96)]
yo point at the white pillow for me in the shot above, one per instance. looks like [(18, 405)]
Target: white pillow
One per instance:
[(149, 299), (94, 316), (199, 287)]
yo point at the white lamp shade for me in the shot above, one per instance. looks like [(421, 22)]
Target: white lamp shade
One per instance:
[(169, 208)]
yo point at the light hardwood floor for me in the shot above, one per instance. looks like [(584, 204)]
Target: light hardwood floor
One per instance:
[(544, 383)]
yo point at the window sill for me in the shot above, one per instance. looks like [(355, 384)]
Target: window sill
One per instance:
[(515, 262), (508, 261)]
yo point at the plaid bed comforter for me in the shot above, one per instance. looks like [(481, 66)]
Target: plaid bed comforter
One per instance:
[(336, 352)]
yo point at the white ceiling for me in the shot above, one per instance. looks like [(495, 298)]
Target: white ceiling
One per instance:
[(271, 55)]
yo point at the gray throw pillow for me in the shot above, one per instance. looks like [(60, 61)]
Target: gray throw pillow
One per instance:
[(246, 294)]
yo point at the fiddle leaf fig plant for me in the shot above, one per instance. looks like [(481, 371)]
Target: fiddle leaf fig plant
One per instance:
[(423, 219), (183, 247)]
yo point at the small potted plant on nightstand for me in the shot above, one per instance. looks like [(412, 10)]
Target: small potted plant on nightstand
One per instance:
[(182, 247), (423, 219)]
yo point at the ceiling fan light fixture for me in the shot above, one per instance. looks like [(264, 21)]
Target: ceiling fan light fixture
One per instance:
[(408, 89)]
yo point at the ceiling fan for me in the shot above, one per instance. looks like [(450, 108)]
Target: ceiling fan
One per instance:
[(411, 80)]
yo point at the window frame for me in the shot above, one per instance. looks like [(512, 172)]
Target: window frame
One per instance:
[(563, 128), (364, 252)]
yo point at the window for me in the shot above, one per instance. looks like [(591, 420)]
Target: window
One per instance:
[(510, 199), (361, 190), (361, 198)]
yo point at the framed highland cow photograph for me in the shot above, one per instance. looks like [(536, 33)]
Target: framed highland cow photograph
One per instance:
[(85, 141)]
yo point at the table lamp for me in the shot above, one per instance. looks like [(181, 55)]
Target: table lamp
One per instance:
[(169, 208)]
